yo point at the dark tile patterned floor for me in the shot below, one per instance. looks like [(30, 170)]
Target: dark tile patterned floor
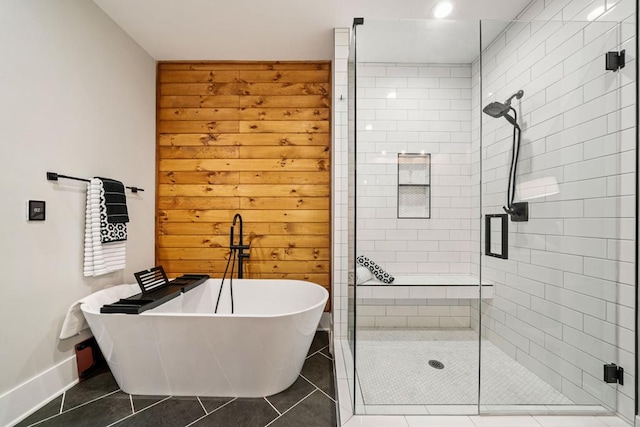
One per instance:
[(98, 402)]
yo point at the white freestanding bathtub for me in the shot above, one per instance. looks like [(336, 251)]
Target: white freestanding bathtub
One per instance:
[(182, 348)]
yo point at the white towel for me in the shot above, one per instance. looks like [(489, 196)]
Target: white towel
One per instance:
[(363, 274), (74, 321), (99, 258)]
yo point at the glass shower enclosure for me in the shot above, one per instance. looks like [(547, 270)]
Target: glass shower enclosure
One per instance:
[(492, 174)]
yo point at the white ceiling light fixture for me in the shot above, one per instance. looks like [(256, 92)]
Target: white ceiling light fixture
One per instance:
[(442, 9)]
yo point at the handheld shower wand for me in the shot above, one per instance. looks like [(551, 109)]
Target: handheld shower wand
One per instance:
[(517, 211)]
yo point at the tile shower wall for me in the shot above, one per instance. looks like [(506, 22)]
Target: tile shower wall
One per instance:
[(339, 193), (415, 109), (564, 301), (413, 313)]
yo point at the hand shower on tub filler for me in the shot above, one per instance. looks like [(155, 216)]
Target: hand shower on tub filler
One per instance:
[(237, 250)]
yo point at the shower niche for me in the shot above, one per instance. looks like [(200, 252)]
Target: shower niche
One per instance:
[(414, 187), (449, 143)]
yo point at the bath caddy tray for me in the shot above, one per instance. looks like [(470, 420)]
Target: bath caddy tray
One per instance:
[(156, 290)]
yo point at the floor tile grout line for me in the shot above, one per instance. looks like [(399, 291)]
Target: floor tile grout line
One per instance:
[(43, 420), (201, 404), (276, 409), (223, 405), (62, 403), (317, 351), (90, 401), (206, 415), (324, 355), (69, 410), (140, 411), (318, 388), (293, 406)]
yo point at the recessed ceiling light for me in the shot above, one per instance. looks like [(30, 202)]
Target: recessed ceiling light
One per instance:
[(442, 9)]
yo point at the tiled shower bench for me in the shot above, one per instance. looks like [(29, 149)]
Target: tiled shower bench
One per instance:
[(419, 302)]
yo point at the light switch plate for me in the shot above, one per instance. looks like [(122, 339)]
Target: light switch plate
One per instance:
[(36, 210)]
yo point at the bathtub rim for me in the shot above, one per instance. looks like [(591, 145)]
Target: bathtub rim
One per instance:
[(85, 307)]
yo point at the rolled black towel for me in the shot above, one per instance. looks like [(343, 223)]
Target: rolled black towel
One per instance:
[(115, 200), (380, 274)]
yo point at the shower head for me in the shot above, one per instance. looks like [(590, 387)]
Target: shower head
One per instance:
[(498, 109)]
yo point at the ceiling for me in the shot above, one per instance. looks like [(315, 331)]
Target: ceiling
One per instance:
[(280, 29), (424, 41)]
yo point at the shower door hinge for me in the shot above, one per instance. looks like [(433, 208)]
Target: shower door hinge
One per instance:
[(613, 374), (614, 60)]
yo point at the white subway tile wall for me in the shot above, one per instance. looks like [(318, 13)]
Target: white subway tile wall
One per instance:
[(340, 184), (417, 108), (414, 313), (558, 306)]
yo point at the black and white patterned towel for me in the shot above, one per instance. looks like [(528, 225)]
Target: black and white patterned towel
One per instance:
[(380, 274), (110, 231)]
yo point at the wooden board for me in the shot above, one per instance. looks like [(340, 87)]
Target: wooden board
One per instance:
[(270, 215), (221, 190), (244, 89), (241, 65), (279, 152), (255, 228), (230, 101), (230, 165), (247, 139), (250, 138), (248, 113)]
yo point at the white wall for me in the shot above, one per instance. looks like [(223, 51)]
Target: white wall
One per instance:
[(415, 108), (564, 301), (78, 98)]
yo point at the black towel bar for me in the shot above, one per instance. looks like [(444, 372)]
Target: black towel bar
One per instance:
[(52, 176)]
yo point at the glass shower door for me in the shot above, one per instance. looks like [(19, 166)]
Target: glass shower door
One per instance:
[(563, 299)]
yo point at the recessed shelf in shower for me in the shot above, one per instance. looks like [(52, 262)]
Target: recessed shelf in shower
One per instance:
[(414, 185)]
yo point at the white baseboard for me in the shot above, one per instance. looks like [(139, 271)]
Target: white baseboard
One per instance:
[(18, 403)]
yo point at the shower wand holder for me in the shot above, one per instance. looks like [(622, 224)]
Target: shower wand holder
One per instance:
[(519, 212)]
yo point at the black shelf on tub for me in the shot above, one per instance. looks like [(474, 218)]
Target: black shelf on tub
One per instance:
[(156, 290)]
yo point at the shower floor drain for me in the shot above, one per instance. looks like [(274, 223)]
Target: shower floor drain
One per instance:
[(436, 364)]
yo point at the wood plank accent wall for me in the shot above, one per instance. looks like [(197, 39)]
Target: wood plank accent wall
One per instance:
[(250, 138)]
